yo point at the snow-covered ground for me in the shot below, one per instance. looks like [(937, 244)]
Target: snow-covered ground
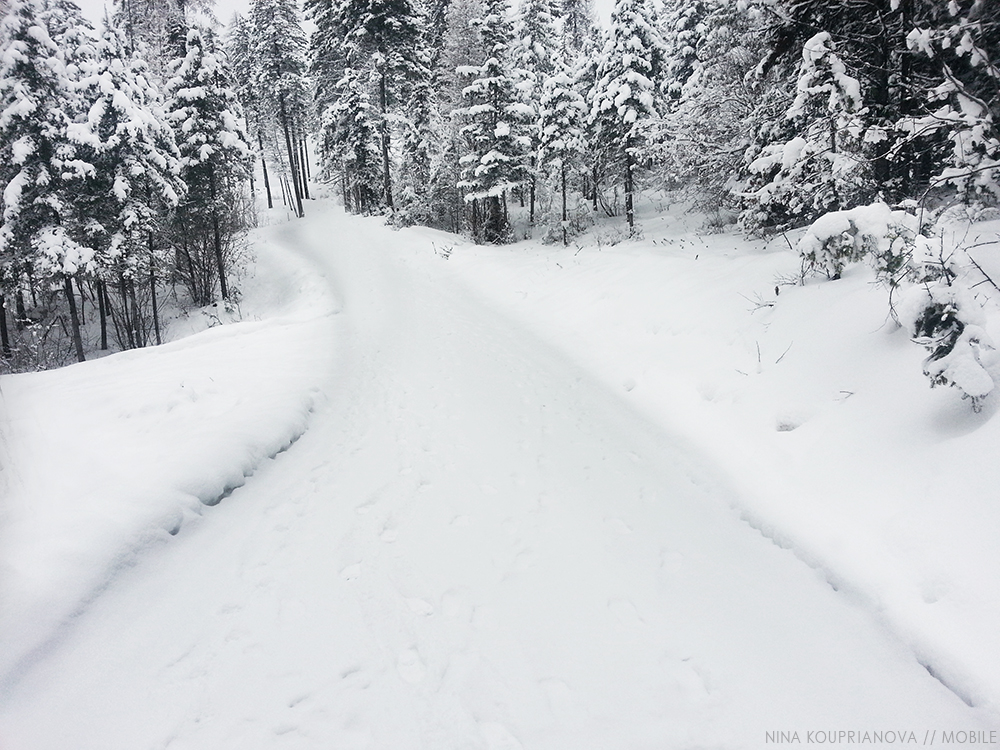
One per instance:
[(595, 497)]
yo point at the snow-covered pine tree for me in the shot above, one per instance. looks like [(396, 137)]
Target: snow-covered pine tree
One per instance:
[(40, 167), (534, 51), (243, 62), (561, 137), (577, 20), (462, 47), (136, 181), (420, 133), (281, 79), (205, 116), (496, 160), (963, 95), (624, 97), (821, 168), (348, 143), (684, 29), (160, 26), (385, 34), (715, 102)]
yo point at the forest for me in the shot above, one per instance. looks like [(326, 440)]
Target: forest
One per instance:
[(133, 154)]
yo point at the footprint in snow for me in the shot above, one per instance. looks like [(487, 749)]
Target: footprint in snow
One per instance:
[(498, 737), (420, 607), (351, 572), (410, 667), (389, 535), (618, 525)]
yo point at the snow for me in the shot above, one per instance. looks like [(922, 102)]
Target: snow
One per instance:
[(541, 497)]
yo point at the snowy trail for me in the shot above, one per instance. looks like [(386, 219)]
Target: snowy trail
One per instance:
[(476, 545)]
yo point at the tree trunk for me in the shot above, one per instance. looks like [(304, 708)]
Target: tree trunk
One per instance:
[(126, 314), (253, 181), (346, 190), (562, 187), (291, 158), (629, 210), (74, 319), (386, 177), (137, 326), (102, 310), (20, 314), (263, 164), (531, 196), (217, 239), (593, 174), (4, 333), (152, 291), (156, 312), (303, 168)]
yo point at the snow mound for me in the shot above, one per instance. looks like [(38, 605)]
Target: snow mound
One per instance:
[(101, 459)]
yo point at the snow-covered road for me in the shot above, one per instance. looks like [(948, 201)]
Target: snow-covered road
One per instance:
[(475, 545)]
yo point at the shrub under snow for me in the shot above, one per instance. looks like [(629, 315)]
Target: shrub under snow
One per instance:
[(932, 289)]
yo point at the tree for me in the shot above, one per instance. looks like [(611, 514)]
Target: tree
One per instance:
[(534, 52), (205, 116), (964, 94), (496, 159), (281, 78), (41, 166), (561, 138), (387, 35), (821, 167), (577, 18), (136, 178), (349, 129), (623, 101)]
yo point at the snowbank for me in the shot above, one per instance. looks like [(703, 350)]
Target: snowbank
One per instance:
[(103, 458)]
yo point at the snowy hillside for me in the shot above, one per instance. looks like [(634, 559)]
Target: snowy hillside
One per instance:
[(588, 497)]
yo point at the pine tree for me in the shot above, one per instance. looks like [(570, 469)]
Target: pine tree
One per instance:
[(419, 136), (386, 34), (205, 116), (577, 18), (963, 93), (136, 178), (684, 29), (534, 60), (624, 96), (281, 78), (349, 129), (821, 168), (497, 157), (40, 164), (561, 113)]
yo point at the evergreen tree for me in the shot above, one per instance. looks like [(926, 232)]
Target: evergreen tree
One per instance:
[(577, 18), (684, 29), (497, 155), (244, 64), (348, 143), (387, 35), (136, 179), (561, 113), (419, 136), (281, 79), (821, 168), (205, 116), (40, 166), (624, 96), (963, 95), (534, 61)]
